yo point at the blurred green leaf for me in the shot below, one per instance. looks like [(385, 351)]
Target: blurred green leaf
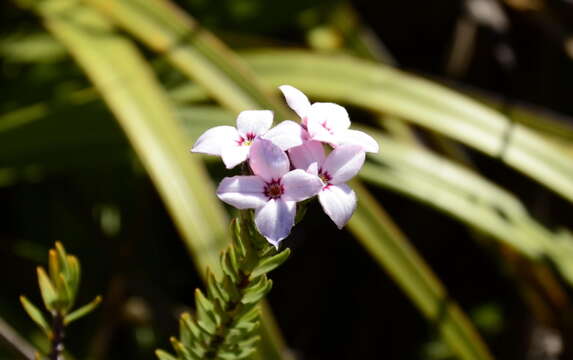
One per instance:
[(271, 263), (130, 89), (35, 314), (162, 355), (376, 231), (62, 260), (464, 195), (194, 50), (82, 311), (34, 47), (385, 90), (74, 274), (49, 294)]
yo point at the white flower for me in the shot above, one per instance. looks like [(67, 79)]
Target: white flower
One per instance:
[(234, 144), (272, 191), (326, 122), (338, 200)]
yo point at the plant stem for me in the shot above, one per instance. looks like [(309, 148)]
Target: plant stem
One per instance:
[(57, 352), (214, 345)]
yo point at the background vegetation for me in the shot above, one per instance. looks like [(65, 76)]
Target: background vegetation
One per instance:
[(460, 246)]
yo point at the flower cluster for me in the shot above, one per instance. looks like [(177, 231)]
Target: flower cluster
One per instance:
[(288, 162)]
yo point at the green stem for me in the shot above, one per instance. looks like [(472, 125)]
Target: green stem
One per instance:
[(227, 318), (233, 308), (213, 347)]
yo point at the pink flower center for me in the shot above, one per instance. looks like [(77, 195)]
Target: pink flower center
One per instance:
[(247, 140), (324, 176), (274, 189), (324, 125)]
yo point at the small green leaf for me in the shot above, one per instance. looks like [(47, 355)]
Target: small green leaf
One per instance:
[(239, 350), (246, 352), (62, 257), (214, 291), (75, 273), (249, 342), (163, 355), (197, 331), (227, 267), (83, 311), (256, 294), (196, 350), (35, 314), (233, 258), (185, 334), (247, 326), (205, 314), (191, 335), (238, 242), (270, 263), (247, 314), (53, 265), (182, 351), (230, 288), (235, 335), (64, 292), (49, 294)]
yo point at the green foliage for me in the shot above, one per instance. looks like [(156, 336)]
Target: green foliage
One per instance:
[(201, 56), (130, 90), (385, 90), (35, 314), (128, 86), (59, 288), (225, 324)]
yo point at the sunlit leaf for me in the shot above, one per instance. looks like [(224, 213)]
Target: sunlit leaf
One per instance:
[(35, 314)]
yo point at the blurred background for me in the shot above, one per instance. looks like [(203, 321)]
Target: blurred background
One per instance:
[(68, 173)]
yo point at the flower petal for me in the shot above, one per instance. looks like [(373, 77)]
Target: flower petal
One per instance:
[(358, 138), (286, 135), (233, 155), (296, 100), (254, 122), (306, 154), (268, 160), (215, 139), (338, 202), (275, 220), (343, 163), (313, 169), (243, 192), (300, 185), (333, 116), (317, 132)]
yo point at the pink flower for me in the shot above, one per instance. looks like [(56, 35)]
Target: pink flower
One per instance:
[(234, 144), (338, 200), (272, 191), (326, 122)]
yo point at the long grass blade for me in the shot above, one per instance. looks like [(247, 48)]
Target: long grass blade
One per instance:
[(192, 49), (129, 87), (466, 196), (377, 233), (385, 90)]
